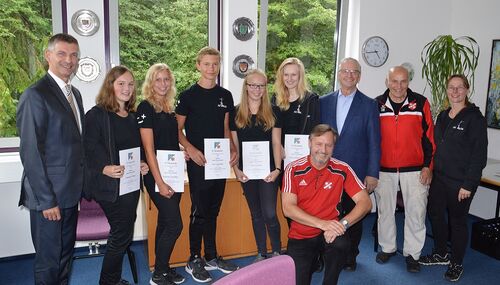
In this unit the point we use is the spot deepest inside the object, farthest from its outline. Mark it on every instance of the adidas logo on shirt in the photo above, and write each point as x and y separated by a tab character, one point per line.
303	183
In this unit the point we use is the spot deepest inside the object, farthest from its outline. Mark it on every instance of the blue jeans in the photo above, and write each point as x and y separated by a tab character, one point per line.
261	198
304	253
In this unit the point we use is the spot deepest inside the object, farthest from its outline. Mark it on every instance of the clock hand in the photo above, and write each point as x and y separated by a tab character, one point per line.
377	54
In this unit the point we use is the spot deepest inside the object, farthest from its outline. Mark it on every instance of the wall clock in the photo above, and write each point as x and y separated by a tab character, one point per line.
375	51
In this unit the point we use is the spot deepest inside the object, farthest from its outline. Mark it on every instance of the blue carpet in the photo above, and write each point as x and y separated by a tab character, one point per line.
478	268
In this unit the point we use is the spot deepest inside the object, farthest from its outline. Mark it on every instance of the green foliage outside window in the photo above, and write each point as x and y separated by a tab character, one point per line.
304	29
25	27
169	31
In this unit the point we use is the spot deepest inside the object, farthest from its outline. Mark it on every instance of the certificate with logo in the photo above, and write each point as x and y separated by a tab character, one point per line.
296	146
255	159
217	156
171	164
131	179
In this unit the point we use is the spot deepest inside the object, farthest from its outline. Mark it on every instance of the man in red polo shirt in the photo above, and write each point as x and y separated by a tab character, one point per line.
312	189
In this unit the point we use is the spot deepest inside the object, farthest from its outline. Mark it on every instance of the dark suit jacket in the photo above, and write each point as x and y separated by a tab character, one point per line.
359	142
51	147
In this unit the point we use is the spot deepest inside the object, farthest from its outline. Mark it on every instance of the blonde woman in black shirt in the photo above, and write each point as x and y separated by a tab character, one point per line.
158	125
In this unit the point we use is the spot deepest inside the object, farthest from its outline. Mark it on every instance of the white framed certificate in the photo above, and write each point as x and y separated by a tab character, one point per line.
217	155
131	179
255	156
296	146
171	164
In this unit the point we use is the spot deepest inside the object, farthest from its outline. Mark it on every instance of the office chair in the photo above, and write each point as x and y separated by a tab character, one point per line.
93	227
279	270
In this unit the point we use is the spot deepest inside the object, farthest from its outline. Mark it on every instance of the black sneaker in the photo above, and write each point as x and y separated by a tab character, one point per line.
175	277
383	257
160	279
221	264
412	265
454	272
196	268
123	282
435	259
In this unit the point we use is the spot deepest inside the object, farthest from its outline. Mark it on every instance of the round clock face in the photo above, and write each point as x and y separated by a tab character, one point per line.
375	51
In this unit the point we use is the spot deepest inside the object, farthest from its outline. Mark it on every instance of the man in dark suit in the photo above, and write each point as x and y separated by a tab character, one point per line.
355	116
49	121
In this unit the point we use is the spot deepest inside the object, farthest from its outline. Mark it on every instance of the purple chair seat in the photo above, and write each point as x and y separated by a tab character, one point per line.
92	223
279	270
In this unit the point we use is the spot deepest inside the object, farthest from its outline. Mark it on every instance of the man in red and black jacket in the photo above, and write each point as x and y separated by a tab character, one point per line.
407	146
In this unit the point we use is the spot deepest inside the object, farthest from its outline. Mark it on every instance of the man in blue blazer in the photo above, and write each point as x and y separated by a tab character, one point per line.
356	118
49	121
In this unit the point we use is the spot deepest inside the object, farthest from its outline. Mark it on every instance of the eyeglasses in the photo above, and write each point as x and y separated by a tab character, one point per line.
256	86
455	89
349	71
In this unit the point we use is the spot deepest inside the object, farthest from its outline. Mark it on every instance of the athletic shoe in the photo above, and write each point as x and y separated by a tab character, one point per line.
274	254
259	257
175	277
196	268
123	282
435	259
454	272
220	264
383	257
160	279
412	265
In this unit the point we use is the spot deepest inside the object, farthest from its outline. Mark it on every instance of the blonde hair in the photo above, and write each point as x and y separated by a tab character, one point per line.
159	103
207	51
282	93
265	116
107	97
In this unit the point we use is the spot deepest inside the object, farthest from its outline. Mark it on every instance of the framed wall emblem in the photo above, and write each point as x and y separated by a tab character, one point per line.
242	64
243	29
85	22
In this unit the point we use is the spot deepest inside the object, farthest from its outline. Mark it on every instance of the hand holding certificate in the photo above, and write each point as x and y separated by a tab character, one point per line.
171	164
217	157
131	159
296	146
256	159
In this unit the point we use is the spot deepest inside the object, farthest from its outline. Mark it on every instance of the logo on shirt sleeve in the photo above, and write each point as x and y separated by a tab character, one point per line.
221	104
141	118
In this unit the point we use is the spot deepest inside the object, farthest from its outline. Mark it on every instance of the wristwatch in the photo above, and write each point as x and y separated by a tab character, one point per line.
345	223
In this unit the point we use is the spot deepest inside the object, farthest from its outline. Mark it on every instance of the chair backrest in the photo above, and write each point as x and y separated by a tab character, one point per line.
92	223
279	270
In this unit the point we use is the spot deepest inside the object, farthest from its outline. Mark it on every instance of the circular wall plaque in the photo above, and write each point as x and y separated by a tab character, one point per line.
242	64
88	69
85	22
243	29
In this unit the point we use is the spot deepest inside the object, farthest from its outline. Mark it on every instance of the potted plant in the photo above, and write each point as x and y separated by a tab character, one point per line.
443	57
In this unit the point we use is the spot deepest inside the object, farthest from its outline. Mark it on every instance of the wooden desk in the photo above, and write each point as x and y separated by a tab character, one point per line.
491	180
234	226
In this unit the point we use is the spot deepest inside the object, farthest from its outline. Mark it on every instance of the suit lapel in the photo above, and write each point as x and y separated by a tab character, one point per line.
333	113
58	93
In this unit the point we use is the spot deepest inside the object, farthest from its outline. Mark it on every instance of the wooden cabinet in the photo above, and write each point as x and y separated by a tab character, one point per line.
234	226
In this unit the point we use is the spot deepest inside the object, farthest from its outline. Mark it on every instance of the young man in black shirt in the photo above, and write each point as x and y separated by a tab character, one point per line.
203	110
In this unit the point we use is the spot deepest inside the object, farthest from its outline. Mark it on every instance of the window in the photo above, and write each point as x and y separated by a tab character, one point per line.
304	29
25	27
170	31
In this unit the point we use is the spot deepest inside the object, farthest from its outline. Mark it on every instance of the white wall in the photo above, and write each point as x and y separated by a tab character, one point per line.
407	25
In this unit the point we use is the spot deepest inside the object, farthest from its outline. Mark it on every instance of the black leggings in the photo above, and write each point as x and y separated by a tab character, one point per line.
261	198
444	200
169	225
121	216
